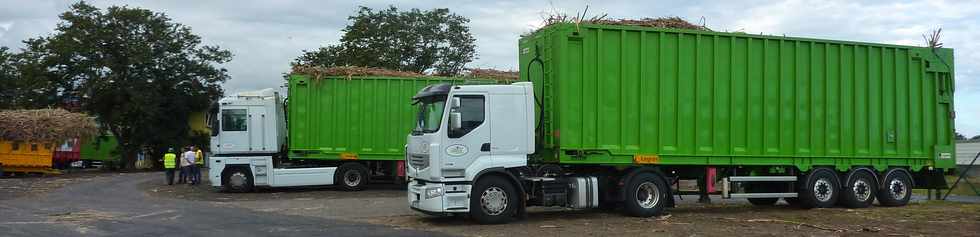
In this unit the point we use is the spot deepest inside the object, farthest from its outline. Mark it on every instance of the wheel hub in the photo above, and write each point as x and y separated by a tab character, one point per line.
237	179
648	195
822	190
897	189
494	201
862	190
352	178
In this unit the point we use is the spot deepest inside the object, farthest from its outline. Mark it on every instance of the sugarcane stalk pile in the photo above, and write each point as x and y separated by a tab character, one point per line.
45	125
488	73
352	71
662	22
672	22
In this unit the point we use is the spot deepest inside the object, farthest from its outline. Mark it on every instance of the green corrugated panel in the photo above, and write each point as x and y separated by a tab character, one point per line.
99	150
710	98
364	116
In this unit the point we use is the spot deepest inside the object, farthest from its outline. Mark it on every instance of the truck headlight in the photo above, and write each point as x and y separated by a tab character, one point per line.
433	192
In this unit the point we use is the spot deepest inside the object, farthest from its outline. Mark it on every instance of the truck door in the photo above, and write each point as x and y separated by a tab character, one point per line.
257	135
234	130
471	141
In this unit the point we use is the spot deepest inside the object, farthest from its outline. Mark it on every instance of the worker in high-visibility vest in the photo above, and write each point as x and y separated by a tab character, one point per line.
198	163
169	165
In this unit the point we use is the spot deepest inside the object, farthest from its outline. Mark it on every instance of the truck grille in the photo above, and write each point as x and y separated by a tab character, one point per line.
418	162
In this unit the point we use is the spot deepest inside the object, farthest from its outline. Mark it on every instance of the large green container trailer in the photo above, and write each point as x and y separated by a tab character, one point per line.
619	113
343	130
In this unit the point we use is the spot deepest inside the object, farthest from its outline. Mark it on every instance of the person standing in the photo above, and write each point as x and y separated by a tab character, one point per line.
169	164
198	164
189	156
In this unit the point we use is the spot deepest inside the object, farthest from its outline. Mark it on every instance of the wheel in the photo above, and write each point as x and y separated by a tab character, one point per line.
351	176
549	170
821	189
646	195
859	191
762	188
237	179
494	201
896	188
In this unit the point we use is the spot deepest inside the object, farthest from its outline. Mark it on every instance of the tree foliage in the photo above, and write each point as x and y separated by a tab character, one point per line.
137	71
435	41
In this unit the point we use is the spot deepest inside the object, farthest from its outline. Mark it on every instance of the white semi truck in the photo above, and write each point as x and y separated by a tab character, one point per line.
249	133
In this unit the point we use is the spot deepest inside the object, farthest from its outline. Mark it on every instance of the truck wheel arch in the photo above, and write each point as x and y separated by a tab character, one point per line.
501	171
881	184
230	168
850	175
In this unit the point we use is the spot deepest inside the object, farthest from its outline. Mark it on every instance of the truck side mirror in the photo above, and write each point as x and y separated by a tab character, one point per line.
456	103
455	121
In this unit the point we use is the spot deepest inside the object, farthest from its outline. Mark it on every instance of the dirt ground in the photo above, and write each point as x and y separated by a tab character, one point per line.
384	205
33	185
918	219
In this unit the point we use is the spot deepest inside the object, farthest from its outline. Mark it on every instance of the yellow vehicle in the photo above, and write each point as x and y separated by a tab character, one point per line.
26	157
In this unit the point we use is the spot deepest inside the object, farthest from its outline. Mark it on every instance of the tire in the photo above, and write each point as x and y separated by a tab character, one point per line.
821	189
352	176
896	188
646	195
238	180
859	191
494	201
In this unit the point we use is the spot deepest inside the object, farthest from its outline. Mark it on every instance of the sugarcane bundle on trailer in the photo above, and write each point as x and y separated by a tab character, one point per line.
28	137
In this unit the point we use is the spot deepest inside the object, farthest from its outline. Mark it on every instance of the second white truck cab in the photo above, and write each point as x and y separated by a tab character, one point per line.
248	136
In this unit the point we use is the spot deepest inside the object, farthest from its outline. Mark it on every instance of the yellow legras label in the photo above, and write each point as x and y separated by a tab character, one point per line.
646	159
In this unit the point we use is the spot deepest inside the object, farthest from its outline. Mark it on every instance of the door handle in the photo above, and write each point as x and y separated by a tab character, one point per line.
485	147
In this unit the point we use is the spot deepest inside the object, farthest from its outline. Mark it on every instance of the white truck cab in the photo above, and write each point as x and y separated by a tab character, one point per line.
465	132
247	137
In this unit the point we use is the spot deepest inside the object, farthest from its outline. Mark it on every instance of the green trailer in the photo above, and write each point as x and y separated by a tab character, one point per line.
620	114
614	93
332	130
351	118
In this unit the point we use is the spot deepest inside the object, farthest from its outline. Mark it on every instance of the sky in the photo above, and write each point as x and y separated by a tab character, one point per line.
265	36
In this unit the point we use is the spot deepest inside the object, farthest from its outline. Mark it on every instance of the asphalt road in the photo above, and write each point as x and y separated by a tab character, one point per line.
116	206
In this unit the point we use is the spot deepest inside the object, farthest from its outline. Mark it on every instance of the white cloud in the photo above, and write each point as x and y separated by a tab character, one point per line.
266	35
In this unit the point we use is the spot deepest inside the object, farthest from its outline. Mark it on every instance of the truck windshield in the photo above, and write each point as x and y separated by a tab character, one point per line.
430	114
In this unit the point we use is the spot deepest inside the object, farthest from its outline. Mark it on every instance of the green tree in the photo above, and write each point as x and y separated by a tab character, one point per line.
137	71
435	41
960	137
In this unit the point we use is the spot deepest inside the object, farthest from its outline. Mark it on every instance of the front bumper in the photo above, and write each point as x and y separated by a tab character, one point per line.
454	199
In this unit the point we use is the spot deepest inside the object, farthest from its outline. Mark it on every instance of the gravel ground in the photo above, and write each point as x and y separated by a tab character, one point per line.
384	205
